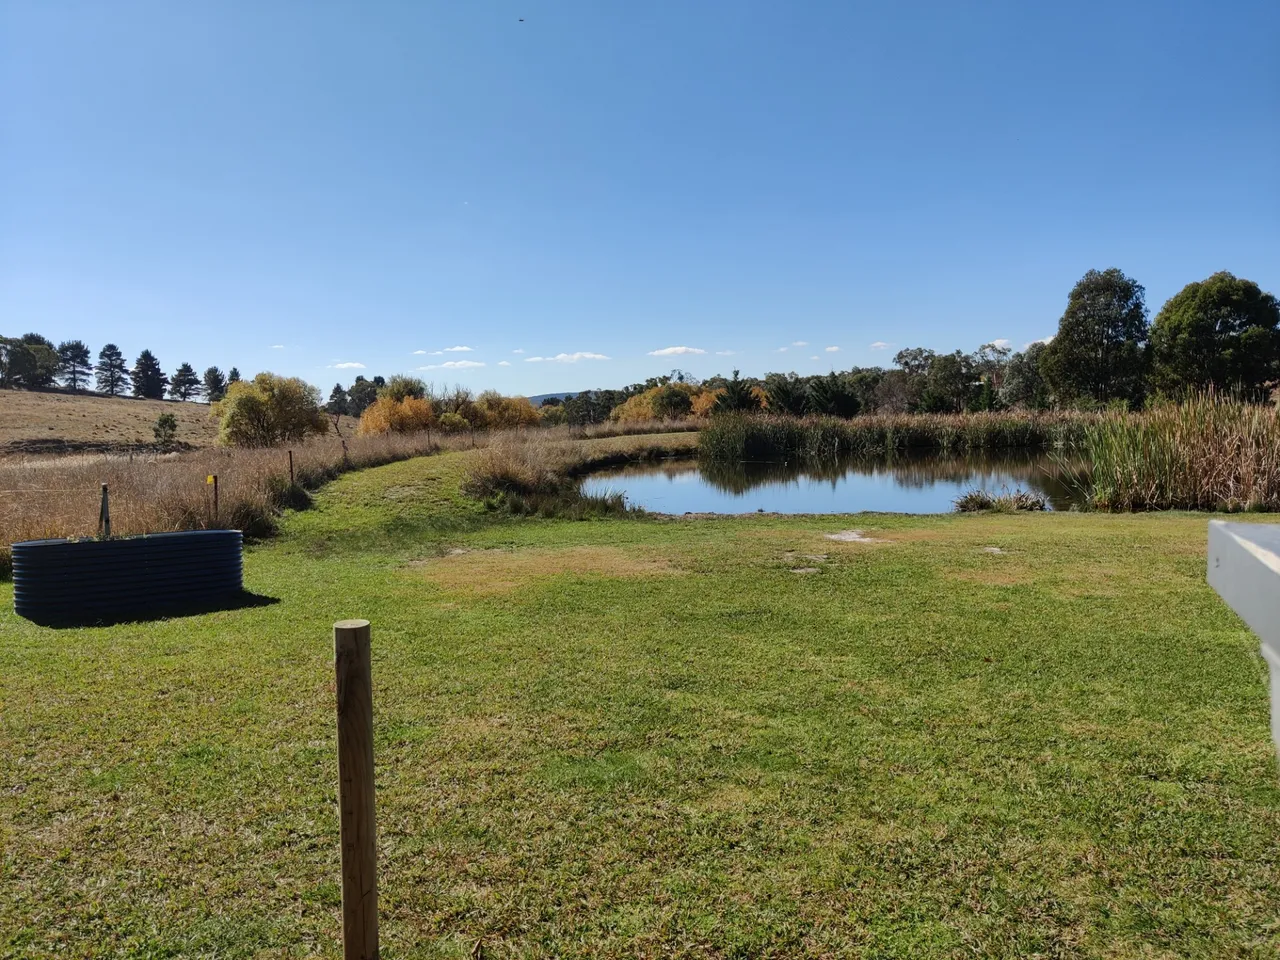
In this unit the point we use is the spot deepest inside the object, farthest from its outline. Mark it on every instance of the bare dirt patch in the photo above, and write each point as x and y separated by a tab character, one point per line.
854	536
486	572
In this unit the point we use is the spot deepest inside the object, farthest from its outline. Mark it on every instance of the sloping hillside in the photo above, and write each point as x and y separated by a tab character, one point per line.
37	422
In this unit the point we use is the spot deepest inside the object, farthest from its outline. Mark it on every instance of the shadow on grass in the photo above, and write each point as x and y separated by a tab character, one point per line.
159	611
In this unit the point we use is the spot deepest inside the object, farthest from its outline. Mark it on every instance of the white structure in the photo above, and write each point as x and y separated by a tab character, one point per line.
1244	567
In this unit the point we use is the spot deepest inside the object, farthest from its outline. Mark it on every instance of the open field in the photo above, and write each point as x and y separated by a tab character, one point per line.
39	421
650	737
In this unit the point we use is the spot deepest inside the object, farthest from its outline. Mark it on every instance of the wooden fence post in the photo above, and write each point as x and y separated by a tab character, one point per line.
291	468
104	516
355	790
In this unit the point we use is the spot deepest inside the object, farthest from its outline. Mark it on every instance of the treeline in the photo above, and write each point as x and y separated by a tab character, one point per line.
406	404
1220	333
32	362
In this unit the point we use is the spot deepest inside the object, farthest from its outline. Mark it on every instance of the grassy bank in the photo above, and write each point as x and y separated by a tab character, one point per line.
737	437
538	473
653	738
59	497
1209	453
49	497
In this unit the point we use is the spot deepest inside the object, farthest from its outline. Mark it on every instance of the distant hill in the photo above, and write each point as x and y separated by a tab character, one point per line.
35	421
537	401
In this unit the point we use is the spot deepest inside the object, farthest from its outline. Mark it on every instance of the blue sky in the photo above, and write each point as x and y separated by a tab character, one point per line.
295	186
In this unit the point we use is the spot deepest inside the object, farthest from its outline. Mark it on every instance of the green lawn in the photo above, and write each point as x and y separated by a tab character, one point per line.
649	737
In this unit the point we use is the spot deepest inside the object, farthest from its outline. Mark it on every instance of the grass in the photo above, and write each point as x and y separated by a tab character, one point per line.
643	737
738	437
55	497
973	501
34	421
1207	453
535	473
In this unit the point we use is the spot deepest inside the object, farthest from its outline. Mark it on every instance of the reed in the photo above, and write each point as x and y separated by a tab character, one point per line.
1208	453
975	501
738	437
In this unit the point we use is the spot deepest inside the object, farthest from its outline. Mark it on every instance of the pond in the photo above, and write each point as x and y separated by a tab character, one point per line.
915	483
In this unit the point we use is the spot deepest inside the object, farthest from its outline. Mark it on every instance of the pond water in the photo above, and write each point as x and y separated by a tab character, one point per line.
919	483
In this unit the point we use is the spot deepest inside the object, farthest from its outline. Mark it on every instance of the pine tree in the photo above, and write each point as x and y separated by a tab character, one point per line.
362	393
25	364
112	372
215	385
233	376
43	362
832	396
148	379
185	384
737	395
337	400
74	365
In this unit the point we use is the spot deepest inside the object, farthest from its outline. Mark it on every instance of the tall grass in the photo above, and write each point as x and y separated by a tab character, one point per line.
55	497
59	497
737	437
627	429
1208	453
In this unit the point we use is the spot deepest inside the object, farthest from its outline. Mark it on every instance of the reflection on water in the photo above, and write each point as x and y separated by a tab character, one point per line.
915	483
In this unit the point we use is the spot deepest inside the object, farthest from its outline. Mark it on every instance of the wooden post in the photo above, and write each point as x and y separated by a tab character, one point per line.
215	499
291	468
104	516
355	790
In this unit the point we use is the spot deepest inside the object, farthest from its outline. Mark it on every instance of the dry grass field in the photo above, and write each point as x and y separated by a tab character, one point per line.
37	422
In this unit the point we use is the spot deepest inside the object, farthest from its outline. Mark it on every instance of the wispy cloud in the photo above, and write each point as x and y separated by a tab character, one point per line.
567	358
815	357
799	343
781	350
457	349
521	350
346	365
725	353
1002	342
1047	339
453	365
674	351
881	345
504	363
419	353
833	349
277	346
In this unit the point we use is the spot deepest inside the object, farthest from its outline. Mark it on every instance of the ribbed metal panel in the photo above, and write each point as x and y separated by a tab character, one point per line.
64	582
